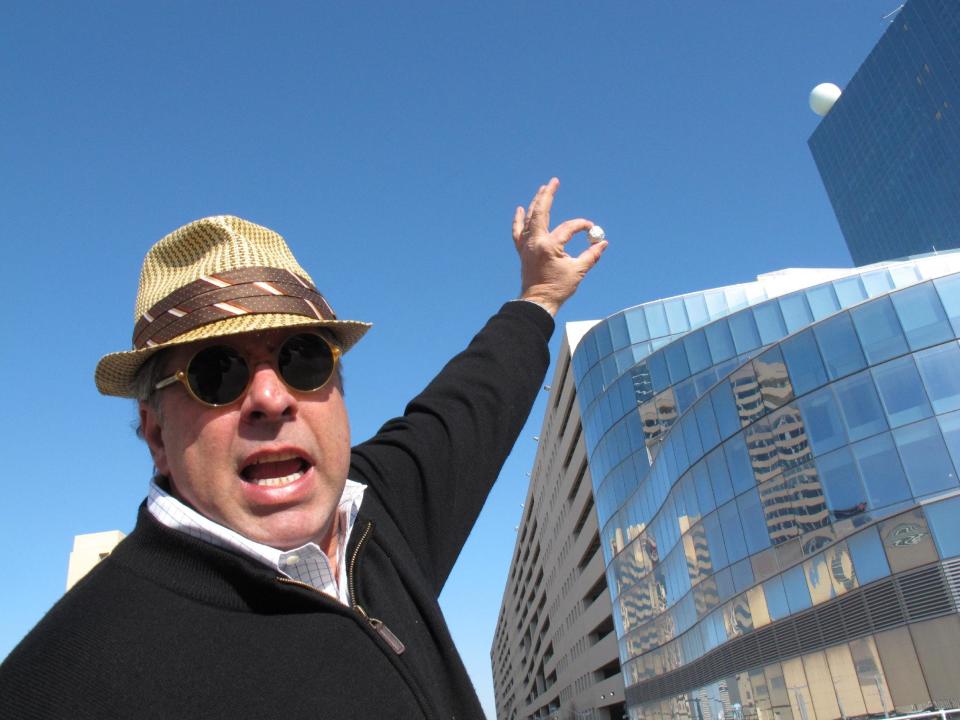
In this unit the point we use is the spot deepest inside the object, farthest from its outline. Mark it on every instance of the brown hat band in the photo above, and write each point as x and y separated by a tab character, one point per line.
246	291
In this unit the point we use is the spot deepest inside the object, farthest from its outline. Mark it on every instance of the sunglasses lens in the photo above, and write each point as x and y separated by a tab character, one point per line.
218	375
306	362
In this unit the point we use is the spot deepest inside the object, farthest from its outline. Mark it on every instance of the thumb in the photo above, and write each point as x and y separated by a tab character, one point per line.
589	257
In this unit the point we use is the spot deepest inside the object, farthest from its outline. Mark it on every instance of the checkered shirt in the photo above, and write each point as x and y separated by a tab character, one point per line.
307	563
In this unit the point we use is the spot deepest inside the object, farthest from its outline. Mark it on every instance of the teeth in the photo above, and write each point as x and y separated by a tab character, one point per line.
279	457
275	482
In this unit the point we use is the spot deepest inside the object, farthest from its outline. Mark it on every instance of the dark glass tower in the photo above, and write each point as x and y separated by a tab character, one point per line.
889	150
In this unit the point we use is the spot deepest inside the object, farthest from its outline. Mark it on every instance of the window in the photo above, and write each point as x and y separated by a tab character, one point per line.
795	583
943	517
775	388
940	370
744	331
881	471
803	362
924	321
698	352
869	560
879	330
925	458
901	391
796	311
720	341
823	301
948	288
846	496
769	322
839	346
822	420
860	406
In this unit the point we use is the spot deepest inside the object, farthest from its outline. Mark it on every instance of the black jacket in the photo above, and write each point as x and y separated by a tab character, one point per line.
172	627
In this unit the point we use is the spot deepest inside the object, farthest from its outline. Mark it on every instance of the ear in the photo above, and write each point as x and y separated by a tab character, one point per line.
153	434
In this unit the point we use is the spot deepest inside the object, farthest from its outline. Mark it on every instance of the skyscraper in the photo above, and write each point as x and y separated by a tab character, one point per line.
775	470
889	149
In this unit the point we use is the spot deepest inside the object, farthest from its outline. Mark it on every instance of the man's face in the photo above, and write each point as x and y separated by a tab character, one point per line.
271	466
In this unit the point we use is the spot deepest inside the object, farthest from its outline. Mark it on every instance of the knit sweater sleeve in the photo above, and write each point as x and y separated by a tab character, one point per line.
434	466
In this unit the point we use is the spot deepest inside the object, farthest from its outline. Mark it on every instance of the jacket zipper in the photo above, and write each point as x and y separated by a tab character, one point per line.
378	626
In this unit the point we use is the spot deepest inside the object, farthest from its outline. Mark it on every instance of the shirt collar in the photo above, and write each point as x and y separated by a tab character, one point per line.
307	563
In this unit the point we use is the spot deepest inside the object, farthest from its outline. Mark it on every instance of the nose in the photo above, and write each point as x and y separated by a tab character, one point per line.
268	399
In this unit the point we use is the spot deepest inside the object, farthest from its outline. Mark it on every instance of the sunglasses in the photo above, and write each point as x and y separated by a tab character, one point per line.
219	374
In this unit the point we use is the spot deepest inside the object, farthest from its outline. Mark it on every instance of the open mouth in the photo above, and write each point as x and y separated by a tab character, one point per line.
275	470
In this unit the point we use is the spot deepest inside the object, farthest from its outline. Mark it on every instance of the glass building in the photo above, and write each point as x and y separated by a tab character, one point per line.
889	150
775	471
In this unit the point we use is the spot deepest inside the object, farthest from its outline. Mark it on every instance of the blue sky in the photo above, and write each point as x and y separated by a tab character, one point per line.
389	143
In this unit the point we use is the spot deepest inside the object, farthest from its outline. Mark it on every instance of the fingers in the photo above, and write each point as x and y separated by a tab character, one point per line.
566	230
518	218
539	212
589	257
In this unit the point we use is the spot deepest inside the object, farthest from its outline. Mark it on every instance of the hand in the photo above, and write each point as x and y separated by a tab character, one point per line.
548	275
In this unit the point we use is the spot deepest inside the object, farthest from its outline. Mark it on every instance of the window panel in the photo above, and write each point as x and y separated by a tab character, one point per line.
924	321
677	363
796	311
728	421
823	301
754	527
879	330
714	535
707	423
698	352
839	346
746	394
738	462
790	436
850	290
762	449
901	391
637	325
925	458
618	331
657	366
732	532
825	430
686	394
701	481
877	282
816	570
604	344
948	288
769	322
881	471
846	496
950	427
776	598
720	341
656	320
860	406
719	476
744	330
869	559
804	362
771	371
943	519
940	370
696	310
798	594
742	574
676	316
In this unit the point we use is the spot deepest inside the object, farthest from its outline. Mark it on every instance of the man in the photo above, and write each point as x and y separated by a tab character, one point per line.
273	572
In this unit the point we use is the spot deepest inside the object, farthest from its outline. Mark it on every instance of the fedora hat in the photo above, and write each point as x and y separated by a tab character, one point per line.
214	277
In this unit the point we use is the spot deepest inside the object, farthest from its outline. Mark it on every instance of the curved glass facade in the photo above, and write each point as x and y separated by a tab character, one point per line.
758	462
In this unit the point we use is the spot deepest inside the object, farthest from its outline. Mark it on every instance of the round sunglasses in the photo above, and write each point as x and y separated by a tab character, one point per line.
219	375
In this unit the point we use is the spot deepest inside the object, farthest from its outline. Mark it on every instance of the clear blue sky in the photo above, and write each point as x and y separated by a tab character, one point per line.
389	143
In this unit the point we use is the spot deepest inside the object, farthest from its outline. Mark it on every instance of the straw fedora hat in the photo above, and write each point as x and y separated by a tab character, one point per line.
214	277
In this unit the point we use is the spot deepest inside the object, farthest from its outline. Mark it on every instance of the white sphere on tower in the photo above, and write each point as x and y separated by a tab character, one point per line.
822	98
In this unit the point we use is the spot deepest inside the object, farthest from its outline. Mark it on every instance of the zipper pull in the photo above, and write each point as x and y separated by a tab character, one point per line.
383	631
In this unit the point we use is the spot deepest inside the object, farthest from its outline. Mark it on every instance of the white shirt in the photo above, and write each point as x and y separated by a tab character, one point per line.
307	563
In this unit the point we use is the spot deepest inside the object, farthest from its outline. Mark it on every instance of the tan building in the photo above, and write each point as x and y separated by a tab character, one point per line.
88	550
555	652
